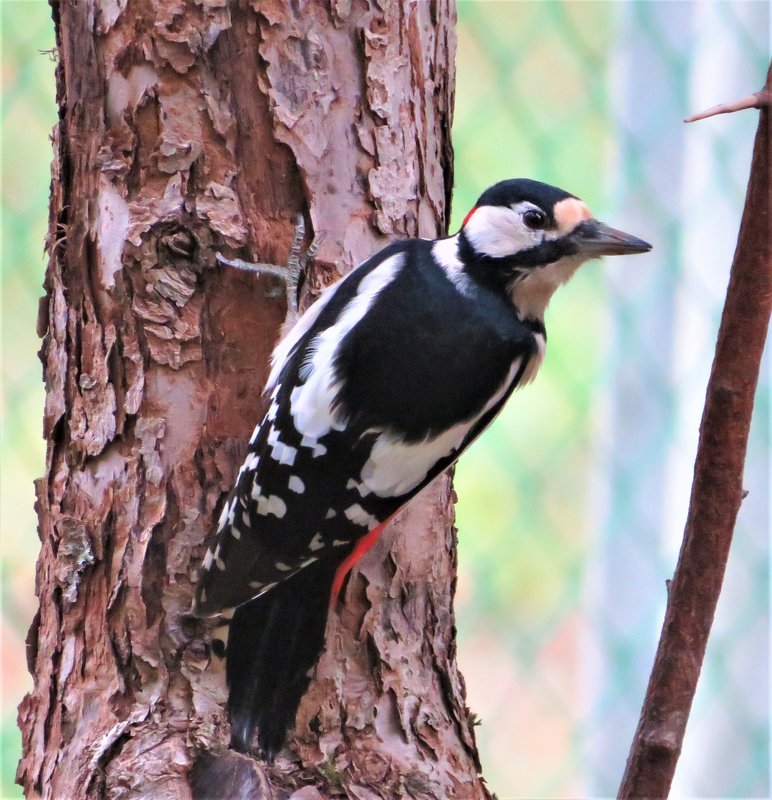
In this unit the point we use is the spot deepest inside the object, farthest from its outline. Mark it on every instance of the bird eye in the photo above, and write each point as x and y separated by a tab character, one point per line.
535	220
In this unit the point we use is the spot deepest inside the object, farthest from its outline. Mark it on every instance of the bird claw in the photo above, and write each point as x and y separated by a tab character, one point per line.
297	264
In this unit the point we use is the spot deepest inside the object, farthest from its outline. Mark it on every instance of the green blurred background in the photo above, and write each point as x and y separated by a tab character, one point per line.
572	506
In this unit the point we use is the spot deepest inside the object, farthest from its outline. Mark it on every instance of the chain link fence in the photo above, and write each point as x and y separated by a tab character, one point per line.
572	506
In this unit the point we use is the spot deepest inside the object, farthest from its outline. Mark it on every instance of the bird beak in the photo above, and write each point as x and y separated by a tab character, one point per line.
593	239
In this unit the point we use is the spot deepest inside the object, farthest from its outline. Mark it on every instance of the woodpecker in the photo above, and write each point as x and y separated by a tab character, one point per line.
380	386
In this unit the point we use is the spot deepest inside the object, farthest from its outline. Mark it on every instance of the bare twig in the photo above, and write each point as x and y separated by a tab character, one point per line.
716	493
756	100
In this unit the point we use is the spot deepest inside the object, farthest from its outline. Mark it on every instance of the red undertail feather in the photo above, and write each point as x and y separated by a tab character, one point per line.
361	547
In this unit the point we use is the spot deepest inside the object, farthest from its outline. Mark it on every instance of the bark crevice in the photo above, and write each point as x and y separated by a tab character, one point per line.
186	129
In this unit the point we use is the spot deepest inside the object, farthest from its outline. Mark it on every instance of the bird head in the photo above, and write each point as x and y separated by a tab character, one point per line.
527	238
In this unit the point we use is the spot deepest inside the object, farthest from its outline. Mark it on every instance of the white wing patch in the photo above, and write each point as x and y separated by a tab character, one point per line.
222	522
296	484
273	504
283	349
313	444
249	464
317	543
311	403
396	467
283	453
360	517
311	408
353	484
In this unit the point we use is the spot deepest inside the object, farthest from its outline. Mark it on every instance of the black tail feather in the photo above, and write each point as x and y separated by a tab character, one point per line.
274	642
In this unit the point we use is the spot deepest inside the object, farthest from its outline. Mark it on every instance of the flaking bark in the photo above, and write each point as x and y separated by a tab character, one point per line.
188	128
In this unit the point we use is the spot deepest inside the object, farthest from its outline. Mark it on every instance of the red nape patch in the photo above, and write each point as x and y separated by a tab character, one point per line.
360	548
469	215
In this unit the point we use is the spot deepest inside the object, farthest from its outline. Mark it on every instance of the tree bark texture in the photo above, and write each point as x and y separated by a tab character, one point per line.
186	128
717	492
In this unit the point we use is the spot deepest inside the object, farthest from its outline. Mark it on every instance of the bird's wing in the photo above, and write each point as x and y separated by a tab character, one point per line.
290	505
362	416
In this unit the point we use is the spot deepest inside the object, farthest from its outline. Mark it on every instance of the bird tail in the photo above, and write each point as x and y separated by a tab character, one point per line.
274	642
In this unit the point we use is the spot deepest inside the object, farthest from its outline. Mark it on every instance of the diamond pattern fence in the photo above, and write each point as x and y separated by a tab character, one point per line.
572	506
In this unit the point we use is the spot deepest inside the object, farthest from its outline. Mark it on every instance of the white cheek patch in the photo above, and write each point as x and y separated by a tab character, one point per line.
499	231
311	403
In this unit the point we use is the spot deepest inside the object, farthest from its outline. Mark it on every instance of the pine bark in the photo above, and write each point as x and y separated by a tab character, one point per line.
186	129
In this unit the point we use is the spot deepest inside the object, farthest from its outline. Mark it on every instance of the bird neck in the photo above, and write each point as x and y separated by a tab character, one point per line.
530	292
527	279
493	273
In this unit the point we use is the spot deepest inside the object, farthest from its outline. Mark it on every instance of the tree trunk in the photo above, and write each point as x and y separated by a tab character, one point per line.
188	128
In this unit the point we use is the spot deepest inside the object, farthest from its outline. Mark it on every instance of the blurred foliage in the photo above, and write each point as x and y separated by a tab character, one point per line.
572	504
28	114
532	102
545	493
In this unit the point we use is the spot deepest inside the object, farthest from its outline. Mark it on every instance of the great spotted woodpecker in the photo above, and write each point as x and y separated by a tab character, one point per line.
379	387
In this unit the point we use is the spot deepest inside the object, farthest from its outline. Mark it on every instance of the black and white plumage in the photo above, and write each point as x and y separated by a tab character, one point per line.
378	388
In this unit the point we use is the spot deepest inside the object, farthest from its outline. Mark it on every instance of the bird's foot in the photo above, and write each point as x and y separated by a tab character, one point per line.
297	264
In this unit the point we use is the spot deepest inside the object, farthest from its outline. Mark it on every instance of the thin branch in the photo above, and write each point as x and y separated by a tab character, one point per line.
717	492
756	100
